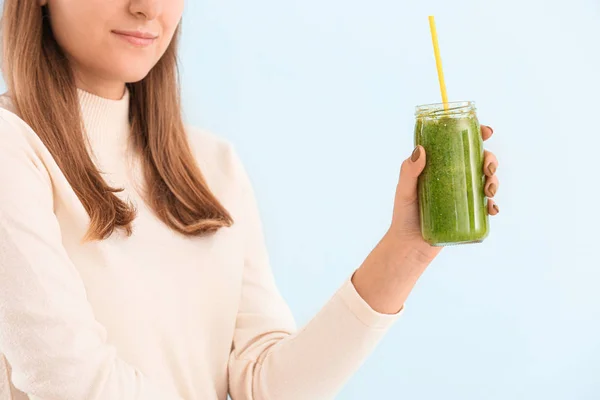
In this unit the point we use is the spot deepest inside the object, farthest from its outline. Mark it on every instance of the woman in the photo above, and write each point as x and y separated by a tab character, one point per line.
131	254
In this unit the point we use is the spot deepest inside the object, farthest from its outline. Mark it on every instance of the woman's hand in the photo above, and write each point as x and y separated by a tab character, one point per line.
389	273
405	227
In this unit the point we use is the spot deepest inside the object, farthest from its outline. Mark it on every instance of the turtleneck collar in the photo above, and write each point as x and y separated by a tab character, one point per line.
106	122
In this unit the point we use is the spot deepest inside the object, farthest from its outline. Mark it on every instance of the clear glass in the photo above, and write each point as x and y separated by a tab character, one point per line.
452	203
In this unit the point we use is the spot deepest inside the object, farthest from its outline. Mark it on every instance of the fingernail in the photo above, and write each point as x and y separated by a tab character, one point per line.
415	154
496	208
492	168
492	189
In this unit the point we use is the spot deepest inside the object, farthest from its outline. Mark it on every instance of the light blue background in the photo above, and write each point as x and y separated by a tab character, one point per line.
318	97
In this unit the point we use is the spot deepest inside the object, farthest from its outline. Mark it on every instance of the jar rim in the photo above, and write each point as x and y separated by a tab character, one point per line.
454	107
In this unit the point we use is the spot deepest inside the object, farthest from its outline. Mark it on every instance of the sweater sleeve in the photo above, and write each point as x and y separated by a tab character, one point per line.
48	333
270	360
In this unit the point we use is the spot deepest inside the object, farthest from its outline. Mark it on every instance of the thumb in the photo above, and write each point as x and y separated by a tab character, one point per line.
409	175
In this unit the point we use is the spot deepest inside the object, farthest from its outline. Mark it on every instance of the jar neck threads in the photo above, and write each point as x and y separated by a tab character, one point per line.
456	109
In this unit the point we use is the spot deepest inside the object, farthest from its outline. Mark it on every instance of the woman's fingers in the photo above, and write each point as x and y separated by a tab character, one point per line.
492	207
490	163
491	186
486	132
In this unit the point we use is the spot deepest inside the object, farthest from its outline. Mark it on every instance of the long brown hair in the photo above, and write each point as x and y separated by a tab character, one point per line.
42	89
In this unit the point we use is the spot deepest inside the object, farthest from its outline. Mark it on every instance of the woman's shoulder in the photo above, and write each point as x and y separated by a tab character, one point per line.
208	142
6	102
19	143
21	152
13	130
216	156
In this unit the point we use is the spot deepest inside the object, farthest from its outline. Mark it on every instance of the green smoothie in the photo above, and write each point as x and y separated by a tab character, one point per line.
452	203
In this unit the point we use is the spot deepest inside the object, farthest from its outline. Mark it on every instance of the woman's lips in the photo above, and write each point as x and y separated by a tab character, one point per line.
140	39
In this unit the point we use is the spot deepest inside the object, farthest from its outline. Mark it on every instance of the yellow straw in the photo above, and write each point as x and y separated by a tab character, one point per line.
438	61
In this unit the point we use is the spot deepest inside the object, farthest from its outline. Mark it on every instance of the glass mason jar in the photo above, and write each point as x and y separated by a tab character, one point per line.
452	203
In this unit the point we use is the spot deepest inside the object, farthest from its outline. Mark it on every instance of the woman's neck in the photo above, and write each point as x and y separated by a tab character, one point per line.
106	121
109	89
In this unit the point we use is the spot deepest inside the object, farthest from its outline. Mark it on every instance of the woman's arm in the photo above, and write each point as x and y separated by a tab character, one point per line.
270	360
48	333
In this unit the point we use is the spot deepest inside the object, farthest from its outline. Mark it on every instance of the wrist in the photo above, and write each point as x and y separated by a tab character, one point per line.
403	251
388	274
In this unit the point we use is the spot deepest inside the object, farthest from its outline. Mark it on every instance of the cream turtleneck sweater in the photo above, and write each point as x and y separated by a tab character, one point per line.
154	316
